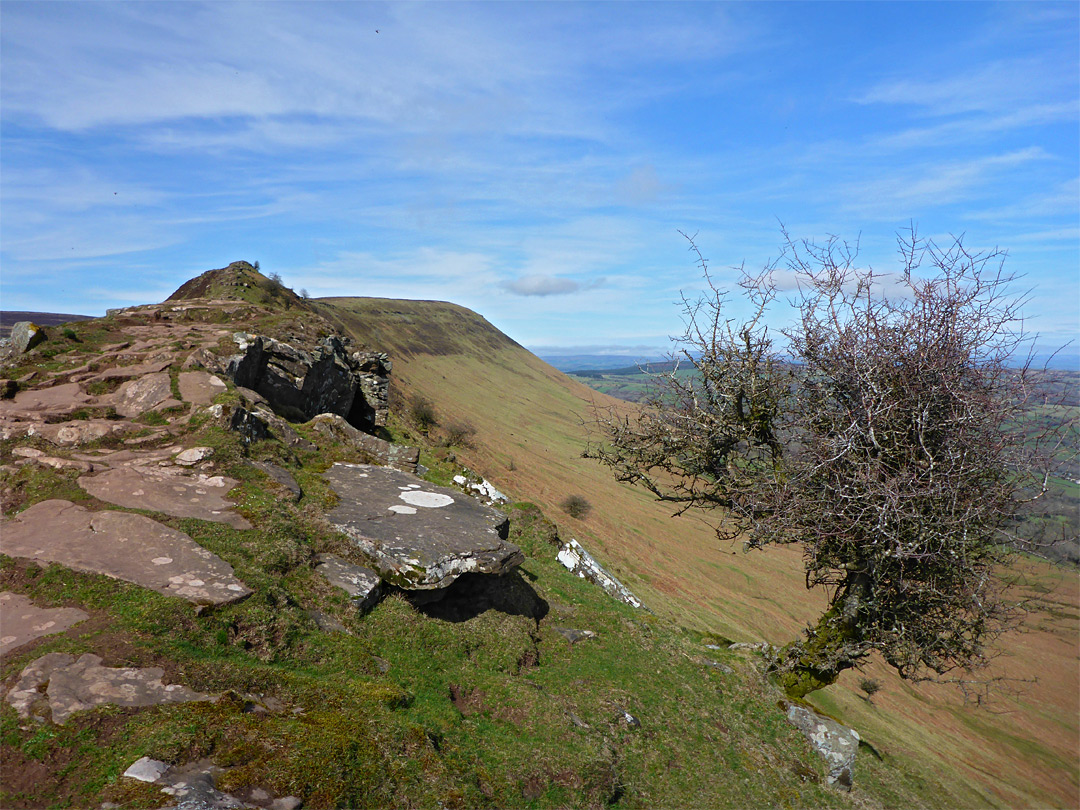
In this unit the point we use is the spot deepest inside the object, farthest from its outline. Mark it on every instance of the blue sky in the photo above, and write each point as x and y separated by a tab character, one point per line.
533	161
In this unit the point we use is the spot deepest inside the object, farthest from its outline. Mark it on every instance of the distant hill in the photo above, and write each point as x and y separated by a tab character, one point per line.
596	362
8	318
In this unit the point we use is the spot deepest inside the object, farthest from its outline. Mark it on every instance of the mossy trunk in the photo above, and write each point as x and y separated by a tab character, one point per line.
832	645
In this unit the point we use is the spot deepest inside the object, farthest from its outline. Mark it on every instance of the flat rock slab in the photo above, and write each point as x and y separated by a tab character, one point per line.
76	685
40	402
21	621
173	494
129	458
200	387
137	396
74	433
420	536
136	370
124	546
363	585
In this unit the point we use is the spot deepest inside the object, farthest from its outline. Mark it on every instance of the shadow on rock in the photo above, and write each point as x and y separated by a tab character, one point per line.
473	594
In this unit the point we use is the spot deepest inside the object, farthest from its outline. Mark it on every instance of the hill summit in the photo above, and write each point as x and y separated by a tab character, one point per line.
240	281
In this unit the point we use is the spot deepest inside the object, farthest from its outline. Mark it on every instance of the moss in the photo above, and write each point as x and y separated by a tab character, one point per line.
806	666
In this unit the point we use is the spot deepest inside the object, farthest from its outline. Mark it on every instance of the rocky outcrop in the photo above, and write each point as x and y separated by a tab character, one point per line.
837	743
481	488
578	561
419	536
326	379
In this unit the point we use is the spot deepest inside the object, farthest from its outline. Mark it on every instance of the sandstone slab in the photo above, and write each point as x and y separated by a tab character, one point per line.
420	536
59	463
124	546
76	685
160	490
135	370
21	621
200	387
147	393
39	403
77	432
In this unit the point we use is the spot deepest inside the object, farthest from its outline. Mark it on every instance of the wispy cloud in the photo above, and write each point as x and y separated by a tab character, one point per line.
916	188
996	86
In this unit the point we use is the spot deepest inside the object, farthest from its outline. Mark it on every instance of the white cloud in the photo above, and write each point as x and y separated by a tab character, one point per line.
541	285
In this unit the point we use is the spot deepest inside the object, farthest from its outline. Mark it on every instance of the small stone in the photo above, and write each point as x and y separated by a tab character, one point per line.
146	770
572	635
577	721
363	585
326	623
193	455
285	803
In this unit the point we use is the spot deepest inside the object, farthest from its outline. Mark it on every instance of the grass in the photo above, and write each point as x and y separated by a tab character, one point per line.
469	714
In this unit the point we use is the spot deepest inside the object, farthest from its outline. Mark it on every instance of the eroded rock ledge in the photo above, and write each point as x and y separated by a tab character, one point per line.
419	536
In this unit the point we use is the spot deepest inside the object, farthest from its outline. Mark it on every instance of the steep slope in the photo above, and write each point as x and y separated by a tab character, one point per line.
531	425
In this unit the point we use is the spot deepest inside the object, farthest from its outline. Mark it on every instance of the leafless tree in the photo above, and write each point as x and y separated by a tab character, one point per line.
889	442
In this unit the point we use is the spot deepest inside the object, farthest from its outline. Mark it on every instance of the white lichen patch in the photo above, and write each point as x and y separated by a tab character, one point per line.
429	500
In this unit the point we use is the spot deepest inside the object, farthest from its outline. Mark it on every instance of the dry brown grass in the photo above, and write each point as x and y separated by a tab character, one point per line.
531	427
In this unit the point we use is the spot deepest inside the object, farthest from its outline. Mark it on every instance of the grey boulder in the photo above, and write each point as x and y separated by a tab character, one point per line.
837	743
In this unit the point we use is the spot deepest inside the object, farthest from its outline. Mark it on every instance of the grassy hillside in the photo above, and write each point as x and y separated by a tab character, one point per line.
531	424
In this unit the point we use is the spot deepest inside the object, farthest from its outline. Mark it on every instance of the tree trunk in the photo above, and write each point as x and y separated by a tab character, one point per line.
832	645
